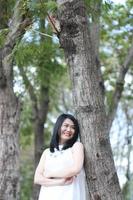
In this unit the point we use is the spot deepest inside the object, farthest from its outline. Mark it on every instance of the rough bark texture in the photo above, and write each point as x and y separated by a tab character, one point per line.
9	154
9	121
10	110
75	39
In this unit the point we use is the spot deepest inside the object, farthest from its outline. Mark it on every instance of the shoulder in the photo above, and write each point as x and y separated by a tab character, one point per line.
45	152
78	150
77	145
43	157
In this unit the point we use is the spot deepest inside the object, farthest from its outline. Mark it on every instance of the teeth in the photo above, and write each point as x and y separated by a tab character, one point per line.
67	134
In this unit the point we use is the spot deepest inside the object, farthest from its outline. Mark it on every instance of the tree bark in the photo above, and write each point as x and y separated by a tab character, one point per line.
10	110
88	99
9	154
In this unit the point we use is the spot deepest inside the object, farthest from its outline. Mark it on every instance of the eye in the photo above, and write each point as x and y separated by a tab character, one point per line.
73	127
65	125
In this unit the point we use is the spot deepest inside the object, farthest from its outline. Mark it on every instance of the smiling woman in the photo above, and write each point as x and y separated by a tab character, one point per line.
67	131
60	170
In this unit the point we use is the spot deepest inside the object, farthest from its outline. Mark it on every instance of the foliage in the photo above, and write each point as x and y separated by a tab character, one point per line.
116	39
26	129
26	179
40	57
127	189
5	17
41	8
42	60
6	8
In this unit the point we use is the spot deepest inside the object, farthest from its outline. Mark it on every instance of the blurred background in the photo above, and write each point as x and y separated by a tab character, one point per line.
41	81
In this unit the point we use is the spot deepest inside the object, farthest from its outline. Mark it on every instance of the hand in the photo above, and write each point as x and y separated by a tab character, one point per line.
69	180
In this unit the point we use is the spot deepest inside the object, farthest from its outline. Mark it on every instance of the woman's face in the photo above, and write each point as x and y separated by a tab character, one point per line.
67	131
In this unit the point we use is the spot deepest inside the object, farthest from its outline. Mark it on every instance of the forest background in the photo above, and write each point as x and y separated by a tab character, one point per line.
41	82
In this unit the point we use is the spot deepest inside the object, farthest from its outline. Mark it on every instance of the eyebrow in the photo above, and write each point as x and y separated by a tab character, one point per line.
65	123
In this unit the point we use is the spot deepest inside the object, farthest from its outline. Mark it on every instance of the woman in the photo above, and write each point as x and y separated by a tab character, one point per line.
60	170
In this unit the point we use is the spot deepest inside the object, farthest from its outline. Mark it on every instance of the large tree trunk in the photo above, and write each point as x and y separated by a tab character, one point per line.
75	39
9	125
10	109
9	154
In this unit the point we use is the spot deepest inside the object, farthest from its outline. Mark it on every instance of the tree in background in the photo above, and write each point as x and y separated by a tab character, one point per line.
37	56
122	146
42	73
116	38
11	32
108	56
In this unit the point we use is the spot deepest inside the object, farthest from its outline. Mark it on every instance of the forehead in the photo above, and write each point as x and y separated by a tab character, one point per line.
68	121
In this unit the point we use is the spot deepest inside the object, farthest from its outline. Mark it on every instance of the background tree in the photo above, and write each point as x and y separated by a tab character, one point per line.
42	73
37	56
121	134
116	38
9	103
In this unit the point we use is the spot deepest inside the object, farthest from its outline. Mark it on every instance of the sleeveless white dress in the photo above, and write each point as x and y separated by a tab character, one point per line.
75	190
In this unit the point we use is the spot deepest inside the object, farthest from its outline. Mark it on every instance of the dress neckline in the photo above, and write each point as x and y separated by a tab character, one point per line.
60	147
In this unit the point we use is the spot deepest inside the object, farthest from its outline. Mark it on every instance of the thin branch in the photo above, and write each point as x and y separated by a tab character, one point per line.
119	87
42	33
95	38
128	142
54	23
95	25
43	103
29	88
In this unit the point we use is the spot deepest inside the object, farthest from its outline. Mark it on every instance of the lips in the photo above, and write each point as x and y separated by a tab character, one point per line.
67	134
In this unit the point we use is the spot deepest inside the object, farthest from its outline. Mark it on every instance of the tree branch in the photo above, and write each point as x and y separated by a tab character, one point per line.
17	27
95	8
95	25
29	88
19	22
44	103
119	87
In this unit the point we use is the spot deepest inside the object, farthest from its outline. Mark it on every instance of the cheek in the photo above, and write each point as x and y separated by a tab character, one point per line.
73	132
62	129
59	132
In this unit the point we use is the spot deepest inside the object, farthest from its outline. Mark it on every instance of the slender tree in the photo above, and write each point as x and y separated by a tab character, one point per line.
10	105
79	37
42	57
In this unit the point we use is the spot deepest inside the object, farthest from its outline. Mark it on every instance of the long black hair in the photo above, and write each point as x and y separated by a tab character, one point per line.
56	132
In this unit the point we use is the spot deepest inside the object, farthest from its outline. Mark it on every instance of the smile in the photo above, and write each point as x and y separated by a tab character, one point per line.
67	134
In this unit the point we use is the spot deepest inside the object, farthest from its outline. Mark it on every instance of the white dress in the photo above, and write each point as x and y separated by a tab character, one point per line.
75	190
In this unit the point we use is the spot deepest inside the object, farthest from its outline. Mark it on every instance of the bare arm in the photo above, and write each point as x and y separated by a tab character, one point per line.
78	157
51	182
40	179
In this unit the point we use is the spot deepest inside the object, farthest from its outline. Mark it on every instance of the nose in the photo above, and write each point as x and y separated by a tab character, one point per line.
68	128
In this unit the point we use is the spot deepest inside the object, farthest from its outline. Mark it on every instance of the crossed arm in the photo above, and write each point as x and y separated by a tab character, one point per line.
78	158
60	177
40	179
